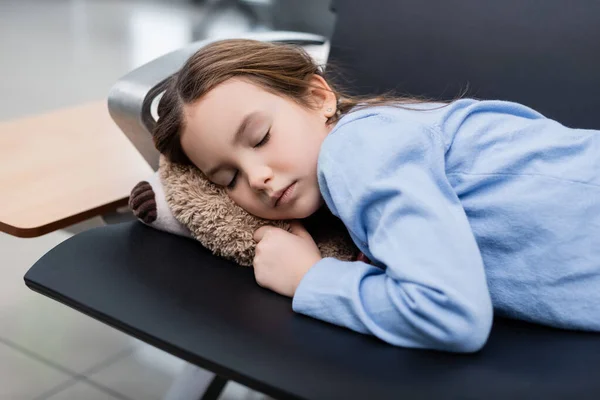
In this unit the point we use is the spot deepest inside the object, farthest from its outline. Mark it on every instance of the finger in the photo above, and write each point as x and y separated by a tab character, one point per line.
258	273
298	229
260	233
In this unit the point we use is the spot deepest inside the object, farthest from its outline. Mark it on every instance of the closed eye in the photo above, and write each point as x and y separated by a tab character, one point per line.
264	140
232	183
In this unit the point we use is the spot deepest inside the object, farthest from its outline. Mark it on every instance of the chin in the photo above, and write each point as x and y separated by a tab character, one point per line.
307	209
303	208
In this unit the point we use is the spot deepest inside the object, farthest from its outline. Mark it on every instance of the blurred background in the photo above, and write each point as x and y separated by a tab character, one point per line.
60	53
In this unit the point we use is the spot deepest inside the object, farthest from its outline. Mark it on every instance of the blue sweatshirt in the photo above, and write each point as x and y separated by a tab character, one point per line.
464	209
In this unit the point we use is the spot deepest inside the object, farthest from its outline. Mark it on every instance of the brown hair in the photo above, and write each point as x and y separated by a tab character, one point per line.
281	69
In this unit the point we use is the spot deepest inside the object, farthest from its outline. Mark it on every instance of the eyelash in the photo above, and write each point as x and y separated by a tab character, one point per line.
259	144
264	140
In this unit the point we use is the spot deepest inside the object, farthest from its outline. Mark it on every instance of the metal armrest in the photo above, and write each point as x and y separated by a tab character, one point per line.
131	99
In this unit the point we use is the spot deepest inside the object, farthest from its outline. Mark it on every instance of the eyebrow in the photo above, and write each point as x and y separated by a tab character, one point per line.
236	138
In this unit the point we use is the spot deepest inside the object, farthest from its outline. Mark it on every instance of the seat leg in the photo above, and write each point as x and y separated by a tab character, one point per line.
215	388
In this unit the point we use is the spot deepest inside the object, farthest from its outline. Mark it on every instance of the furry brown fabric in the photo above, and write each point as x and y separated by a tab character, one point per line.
226	229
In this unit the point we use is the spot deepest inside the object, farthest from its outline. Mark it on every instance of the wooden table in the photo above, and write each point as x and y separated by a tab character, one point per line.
63	167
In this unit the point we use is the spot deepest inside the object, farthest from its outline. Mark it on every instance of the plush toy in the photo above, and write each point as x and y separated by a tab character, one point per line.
181	200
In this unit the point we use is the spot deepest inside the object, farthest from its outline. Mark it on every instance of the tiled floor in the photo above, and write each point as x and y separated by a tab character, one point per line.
56	53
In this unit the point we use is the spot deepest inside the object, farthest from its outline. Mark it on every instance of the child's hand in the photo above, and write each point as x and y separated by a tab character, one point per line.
283	258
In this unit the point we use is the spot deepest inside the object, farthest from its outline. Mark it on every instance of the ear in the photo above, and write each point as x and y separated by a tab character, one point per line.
323	97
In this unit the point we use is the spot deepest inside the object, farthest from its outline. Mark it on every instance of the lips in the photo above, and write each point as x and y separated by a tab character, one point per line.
283	195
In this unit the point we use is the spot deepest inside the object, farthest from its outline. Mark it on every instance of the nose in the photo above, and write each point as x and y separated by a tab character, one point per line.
260	178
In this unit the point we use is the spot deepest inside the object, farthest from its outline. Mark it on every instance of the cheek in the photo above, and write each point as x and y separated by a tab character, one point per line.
244	197
239	195
299	146
249	202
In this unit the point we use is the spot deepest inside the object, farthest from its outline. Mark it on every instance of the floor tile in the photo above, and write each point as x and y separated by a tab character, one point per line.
17	255
42	325
150	373
22	377
146	374
81	390
58	333
235	391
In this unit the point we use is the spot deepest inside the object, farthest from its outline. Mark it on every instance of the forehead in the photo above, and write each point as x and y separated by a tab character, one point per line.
211	122
228	99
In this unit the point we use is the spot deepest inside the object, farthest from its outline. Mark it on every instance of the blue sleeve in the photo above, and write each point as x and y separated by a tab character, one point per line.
386	180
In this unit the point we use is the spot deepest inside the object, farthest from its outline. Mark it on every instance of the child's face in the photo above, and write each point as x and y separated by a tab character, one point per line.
277	147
